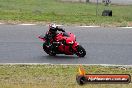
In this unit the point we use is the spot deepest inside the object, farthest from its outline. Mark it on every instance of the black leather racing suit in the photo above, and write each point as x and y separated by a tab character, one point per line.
51	35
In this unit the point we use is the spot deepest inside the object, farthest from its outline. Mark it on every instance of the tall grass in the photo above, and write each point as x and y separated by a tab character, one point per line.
54	76
61	12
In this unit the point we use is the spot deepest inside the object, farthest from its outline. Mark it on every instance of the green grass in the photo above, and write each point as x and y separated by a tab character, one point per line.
54	76
60	12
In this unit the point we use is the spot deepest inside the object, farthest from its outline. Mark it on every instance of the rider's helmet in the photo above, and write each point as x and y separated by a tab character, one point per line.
52	28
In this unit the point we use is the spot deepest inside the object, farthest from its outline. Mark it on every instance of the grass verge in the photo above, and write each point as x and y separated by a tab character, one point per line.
64	13
55	76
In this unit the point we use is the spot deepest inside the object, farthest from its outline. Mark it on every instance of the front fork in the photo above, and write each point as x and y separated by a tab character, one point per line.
74	46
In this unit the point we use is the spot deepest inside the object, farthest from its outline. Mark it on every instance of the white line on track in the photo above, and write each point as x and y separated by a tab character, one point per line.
98	65
27	24
89	26
1	23
125	27
24	63
64	64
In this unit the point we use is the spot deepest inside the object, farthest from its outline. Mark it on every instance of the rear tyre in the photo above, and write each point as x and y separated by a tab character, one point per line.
45	48
80	51
52	53
48	50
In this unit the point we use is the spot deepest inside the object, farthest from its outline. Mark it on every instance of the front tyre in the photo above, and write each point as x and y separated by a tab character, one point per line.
80	51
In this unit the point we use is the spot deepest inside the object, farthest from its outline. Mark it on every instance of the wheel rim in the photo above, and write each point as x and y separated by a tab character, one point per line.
80	52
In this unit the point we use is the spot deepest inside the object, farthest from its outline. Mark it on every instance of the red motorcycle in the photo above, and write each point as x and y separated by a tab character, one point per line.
65	44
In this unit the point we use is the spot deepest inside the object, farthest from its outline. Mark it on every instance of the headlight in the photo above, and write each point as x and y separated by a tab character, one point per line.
71	42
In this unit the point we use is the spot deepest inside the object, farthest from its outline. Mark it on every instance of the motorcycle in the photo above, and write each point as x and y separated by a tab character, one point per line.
65	44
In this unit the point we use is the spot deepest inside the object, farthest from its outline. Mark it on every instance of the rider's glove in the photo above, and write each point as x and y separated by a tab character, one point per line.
63	30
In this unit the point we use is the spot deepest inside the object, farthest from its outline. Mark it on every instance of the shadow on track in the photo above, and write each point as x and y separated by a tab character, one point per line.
60	57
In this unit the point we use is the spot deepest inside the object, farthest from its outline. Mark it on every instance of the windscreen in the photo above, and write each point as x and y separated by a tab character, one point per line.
66	34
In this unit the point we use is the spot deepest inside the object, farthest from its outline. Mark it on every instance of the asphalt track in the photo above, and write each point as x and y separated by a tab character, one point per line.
19	44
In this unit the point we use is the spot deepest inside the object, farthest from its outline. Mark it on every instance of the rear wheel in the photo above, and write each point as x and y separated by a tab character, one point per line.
45	48
48	50
51	53
80	51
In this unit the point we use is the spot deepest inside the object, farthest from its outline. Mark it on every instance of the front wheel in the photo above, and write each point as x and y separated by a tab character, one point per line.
80	51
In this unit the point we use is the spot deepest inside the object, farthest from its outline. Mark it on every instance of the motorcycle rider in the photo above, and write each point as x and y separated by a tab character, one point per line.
51	35
52	32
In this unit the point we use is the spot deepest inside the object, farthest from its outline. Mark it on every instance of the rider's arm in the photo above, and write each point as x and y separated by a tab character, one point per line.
60	29
47	36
